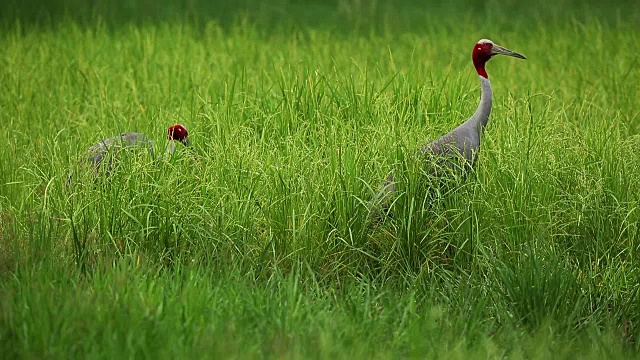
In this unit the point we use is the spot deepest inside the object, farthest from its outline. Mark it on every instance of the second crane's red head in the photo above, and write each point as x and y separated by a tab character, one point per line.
484	50
179	133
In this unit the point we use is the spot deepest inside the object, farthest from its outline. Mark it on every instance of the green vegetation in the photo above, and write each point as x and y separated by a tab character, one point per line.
255	242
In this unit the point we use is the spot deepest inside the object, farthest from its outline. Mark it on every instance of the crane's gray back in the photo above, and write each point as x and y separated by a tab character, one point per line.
112	145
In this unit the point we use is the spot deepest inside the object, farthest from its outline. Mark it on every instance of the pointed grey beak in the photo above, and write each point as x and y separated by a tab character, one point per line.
186	141
499	50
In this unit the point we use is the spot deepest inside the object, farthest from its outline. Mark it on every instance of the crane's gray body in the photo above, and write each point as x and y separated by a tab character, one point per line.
101	155
461	145
110	146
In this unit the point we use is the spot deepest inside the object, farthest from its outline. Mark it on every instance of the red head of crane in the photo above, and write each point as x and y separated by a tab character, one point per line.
179	133
484	50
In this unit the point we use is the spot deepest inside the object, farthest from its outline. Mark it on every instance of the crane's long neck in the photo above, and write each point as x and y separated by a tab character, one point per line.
481	116
171	147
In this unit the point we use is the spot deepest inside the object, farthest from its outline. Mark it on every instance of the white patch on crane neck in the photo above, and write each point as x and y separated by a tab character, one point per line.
484	82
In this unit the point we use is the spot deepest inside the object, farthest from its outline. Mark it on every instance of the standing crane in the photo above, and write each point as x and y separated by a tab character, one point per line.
462	144
109	148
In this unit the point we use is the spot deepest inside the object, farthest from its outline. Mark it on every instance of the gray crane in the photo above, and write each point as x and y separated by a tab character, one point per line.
110	147
459	148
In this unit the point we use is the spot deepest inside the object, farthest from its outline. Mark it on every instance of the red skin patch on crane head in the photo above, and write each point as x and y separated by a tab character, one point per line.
178	132
480	55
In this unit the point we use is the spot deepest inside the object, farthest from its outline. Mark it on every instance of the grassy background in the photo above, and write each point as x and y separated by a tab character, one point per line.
255	241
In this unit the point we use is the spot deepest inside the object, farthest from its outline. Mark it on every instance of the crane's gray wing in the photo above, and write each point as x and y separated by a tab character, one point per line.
101	155
456	150
445	158
110	147
136	139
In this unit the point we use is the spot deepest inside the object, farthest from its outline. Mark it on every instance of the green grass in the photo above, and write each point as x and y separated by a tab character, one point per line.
255	242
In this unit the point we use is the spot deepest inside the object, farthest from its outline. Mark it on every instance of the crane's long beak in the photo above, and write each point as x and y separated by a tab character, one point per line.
499	50
186	141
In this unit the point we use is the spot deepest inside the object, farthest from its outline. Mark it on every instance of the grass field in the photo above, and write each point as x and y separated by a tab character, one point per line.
255	241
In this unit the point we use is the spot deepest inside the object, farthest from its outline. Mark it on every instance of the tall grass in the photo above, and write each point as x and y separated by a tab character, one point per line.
257	241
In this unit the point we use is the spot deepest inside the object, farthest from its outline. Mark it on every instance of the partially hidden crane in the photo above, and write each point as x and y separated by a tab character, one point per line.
462	144
102	154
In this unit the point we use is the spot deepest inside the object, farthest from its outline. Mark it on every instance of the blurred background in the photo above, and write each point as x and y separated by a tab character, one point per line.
350	15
